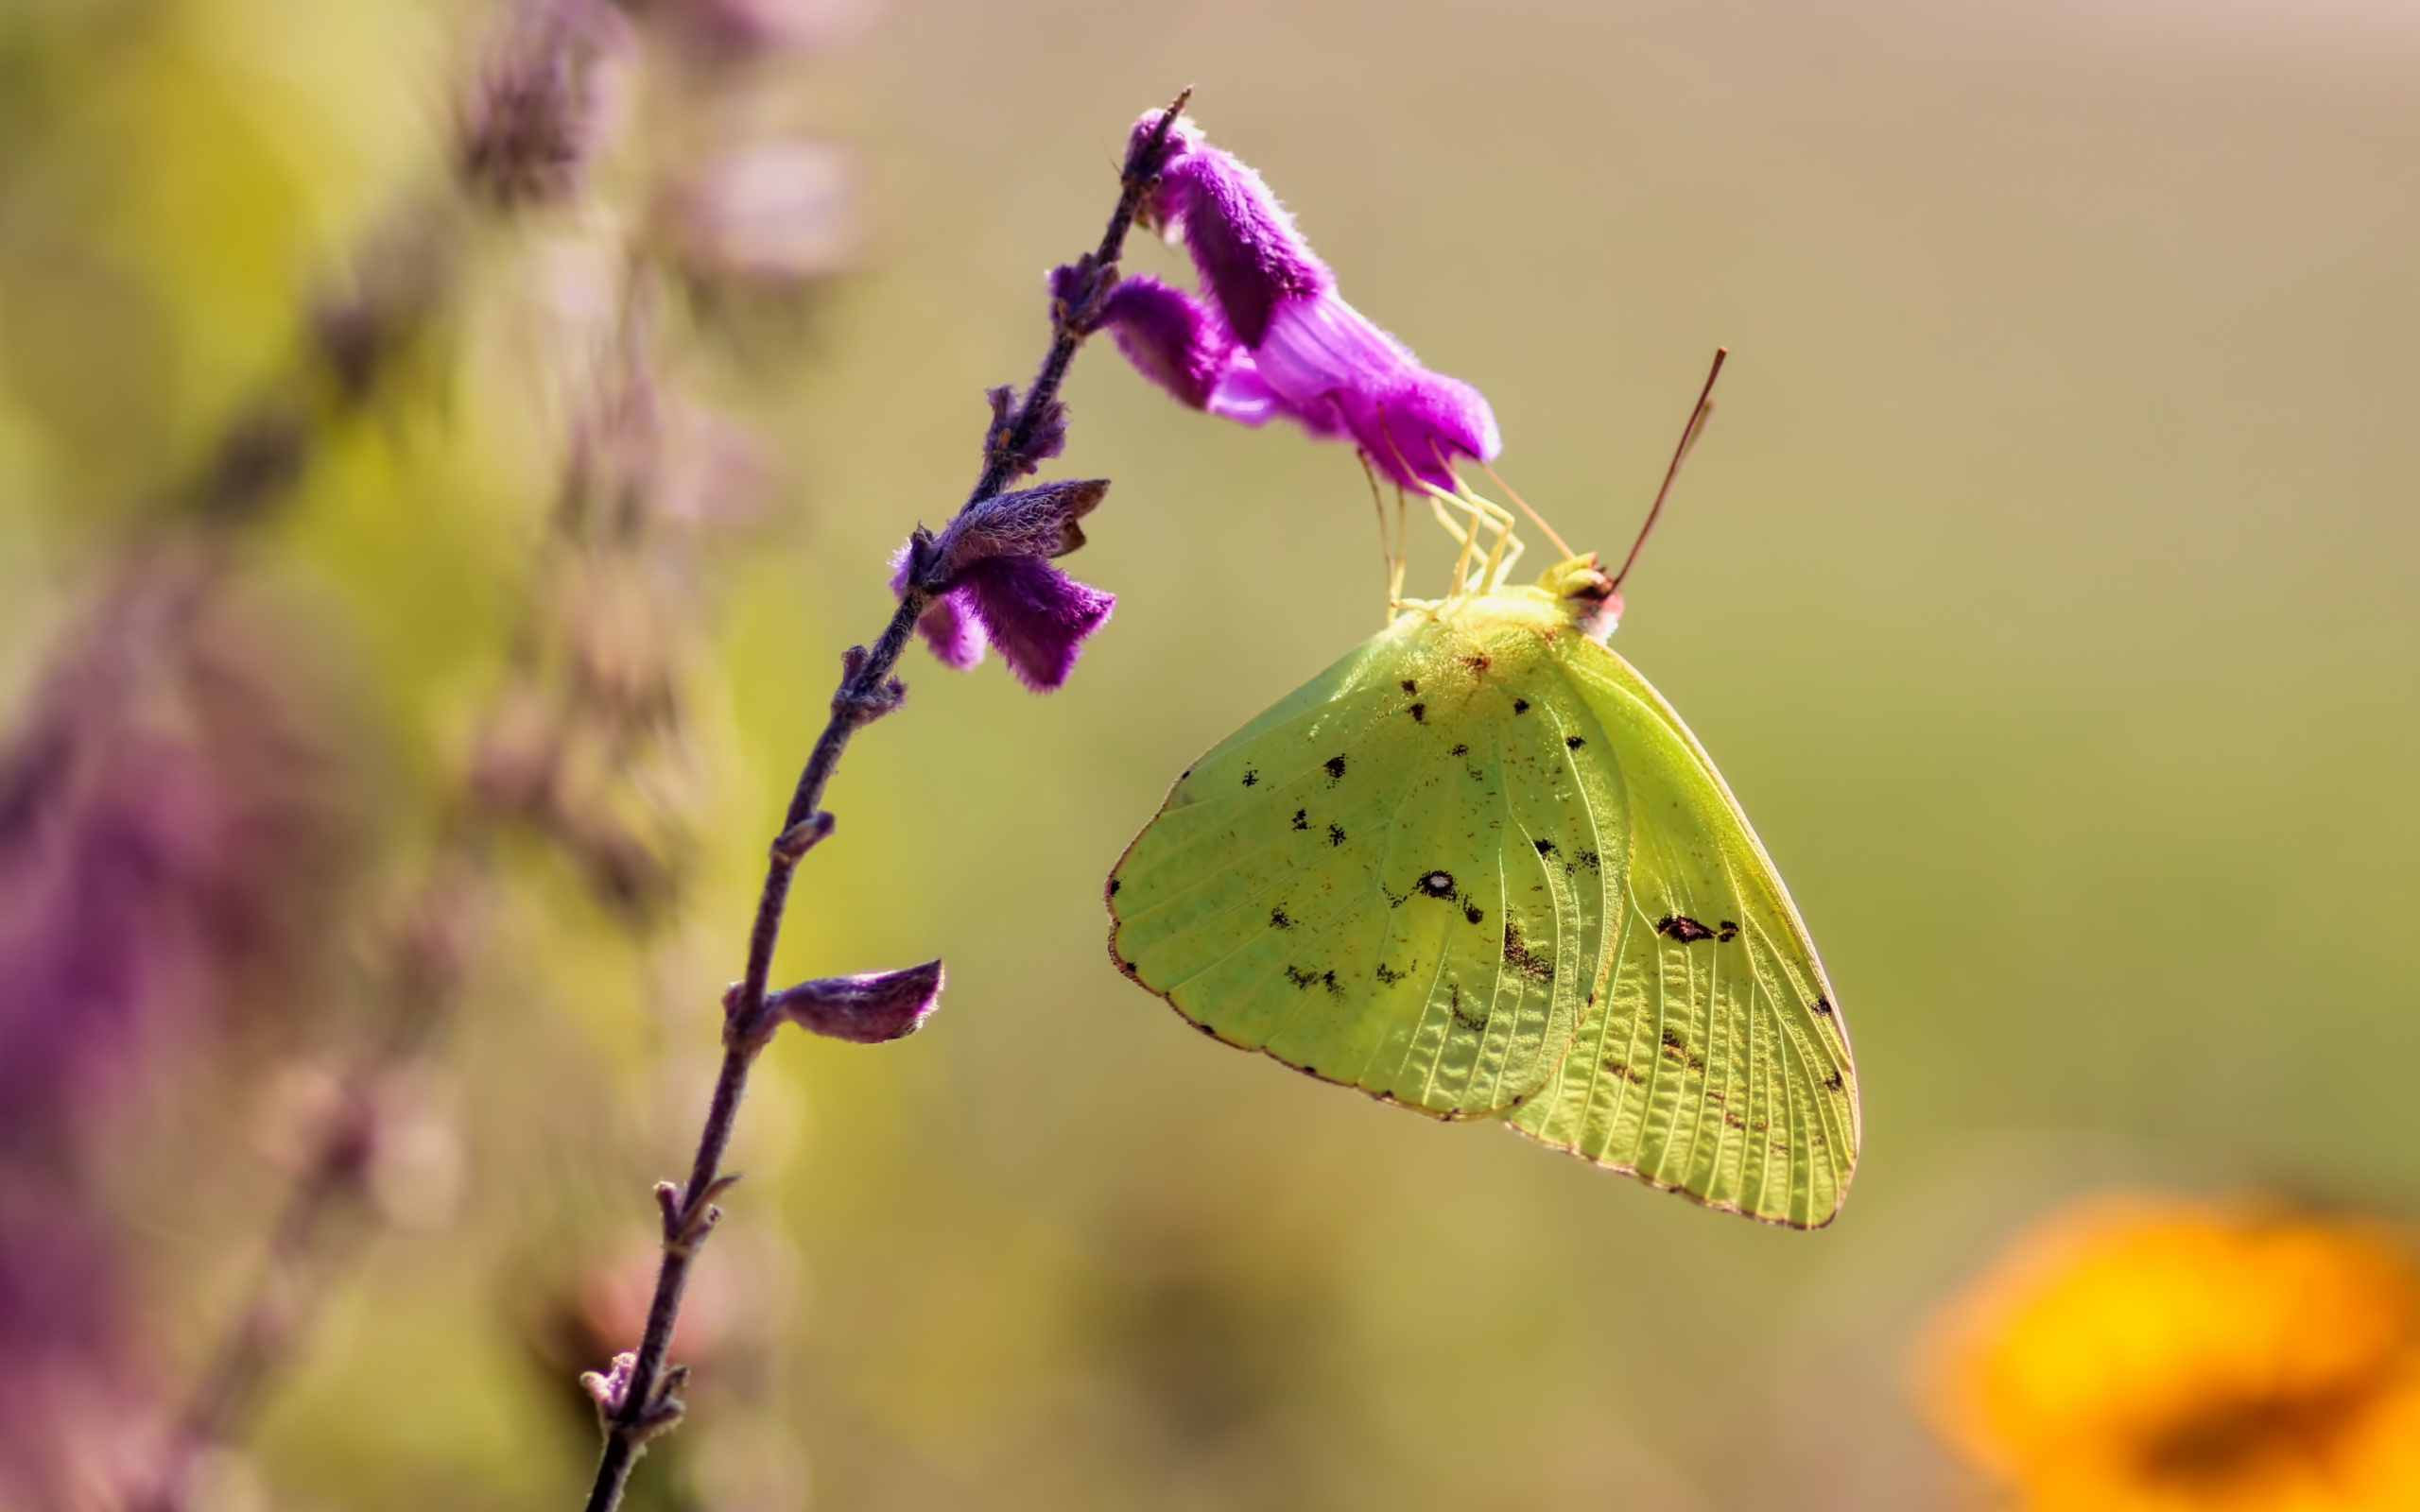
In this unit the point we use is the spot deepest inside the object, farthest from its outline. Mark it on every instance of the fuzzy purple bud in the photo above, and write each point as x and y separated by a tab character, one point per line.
1272	336
1048	440
611	1386
866	1010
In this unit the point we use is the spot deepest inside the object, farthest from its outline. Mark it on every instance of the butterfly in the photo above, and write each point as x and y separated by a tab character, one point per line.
1480	868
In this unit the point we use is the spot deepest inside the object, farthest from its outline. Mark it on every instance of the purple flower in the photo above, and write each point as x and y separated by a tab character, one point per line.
1269	335
991	585
866	1010
777	214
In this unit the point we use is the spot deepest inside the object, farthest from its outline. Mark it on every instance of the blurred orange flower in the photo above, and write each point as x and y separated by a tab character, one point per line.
2155	1355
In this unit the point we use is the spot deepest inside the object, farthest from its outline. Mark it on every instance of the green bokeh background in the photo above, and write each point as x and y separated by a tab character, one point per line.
2043	586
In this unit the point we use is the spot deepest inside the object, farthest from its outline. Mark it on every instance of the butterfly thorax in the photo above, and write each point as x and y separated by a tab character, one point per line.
1573	595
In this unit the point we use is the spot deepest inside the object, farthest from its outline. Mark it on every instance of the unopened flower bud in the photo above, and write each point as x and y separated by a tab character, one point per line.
865	1010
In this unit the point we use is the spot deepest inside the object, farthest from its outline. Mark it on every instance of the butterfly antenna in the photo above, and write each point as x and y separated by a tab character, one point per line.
1689	434
1535	517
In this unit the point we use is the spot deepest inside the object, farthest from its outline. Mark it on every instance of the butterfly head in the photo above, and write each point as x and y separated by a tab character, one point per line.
1587	592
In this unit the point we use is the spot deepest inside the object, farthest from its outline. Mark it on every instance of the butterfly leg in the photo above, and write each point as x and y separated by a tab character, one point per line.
1439	500
1491	530
1504	550
1402	550
1388	554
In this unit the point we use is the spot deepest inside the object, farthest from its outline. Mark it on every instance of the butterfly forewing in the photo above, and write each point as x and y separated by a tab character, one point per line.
1350	883
1713	1062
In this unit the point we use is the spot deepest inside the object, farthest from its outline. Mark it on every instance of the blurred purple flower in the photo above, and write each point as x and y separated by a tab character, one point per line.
738	30
866	1010
991	585
168	835
778	213
1269	335
548	97
71	1402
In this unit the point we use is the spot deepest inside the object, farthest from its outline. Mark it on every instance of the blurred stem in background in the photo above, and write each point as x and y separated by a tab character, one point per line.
533	120
160	816
955	577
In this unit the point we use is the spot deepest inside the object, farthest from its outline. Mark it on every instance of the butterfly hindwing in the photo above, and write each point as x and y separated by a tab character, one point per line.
1713	1062
1351	882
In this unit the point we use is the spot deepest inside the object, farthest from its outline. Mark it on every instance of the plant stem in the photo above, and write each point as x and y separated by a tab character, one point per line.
647	1406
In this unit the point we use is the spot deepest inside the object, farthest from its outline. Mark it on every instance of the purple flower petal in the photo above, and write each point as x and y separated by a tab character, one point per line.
952	631
948	624
1336	370
1036	614
1174	339
866	1010
1243	242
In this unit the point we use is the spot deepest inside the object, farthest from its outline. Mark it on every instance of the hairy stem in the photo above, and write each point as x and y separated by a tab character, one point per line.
646	1406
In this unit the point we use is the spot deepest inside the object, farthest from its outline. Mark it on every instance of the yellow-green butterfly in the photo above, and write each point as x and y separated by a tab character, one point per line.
1480	868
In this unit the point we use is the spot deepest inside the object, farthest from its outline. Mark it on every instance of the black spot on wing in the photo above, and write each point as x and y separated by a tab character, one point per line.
1277	919
1250	777
1824	1006
1115	882
1389	974
1545	846
1520	705
1833	1081
1336	834
1679	1050
1573	742
1419	712
1436	884
1300	822
1683	928
1727	931
1335	766
1308	980
1459	750
1473	913
1520	957
1411	686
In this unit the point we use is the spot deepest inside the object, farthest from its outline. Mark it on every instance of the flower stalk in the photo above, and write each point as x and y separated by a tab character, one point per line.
639	1399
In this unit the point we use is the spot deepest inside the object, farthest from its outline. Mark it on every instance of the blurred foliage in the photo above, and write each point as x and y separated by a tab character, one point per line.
2040	587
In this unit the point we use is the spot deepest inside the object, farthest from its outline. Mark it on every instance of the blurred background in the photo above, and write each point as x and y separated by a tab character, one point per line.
424	554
